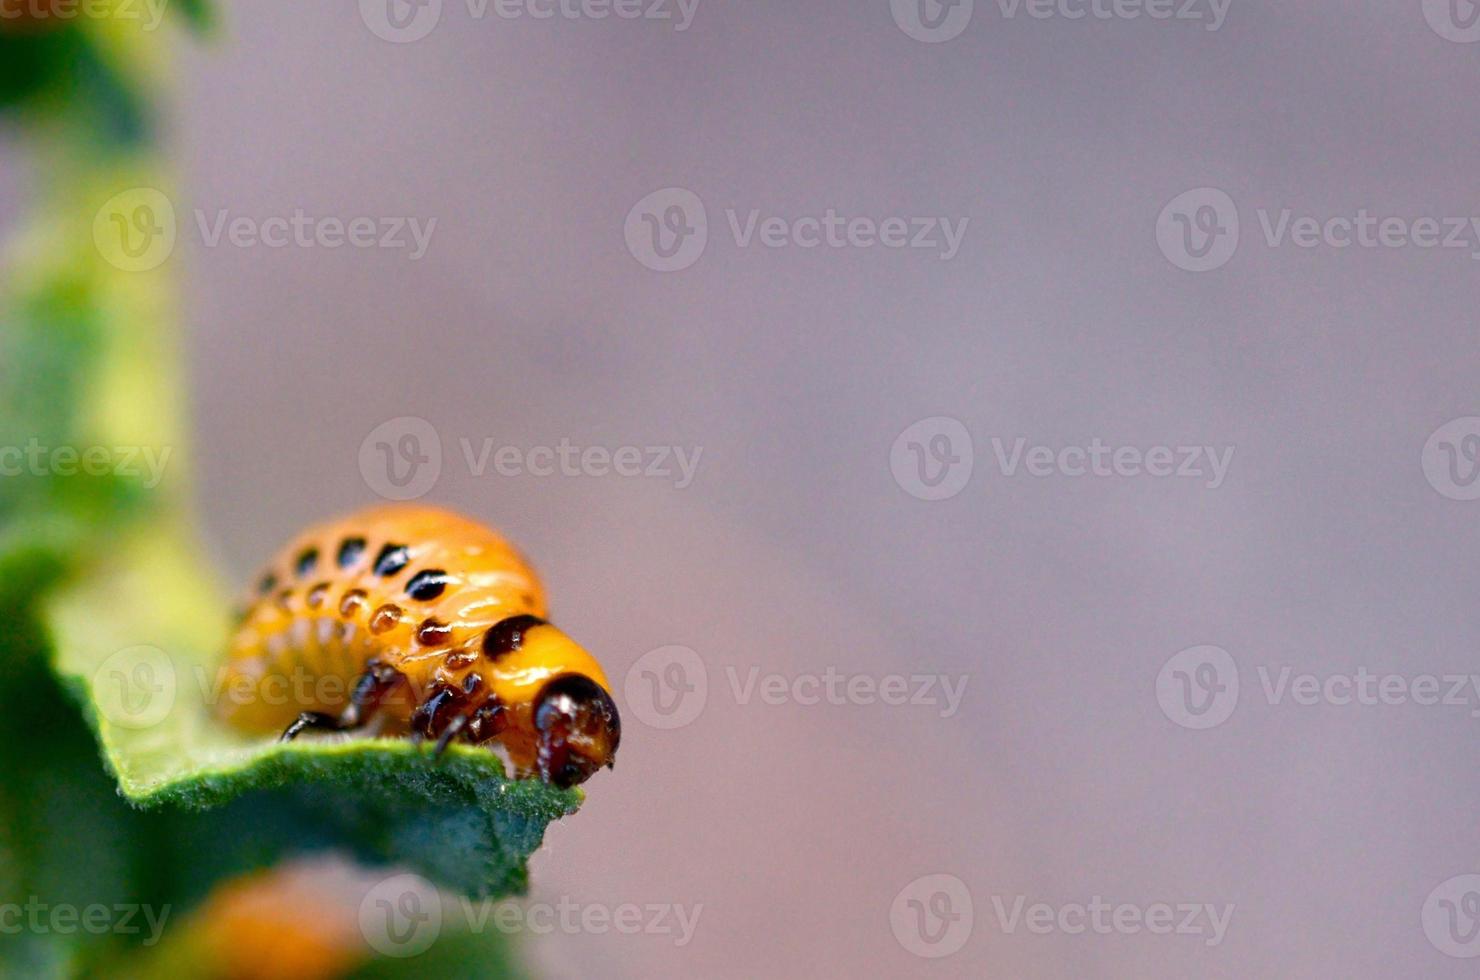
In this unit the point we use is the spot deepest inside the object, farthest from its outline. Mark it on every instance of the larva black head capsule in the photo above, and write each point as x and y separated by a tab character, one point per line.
577	728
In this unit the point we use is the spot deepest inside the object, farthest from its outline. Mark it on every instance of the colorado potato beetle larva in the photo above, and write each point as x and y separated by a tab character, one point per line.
427	624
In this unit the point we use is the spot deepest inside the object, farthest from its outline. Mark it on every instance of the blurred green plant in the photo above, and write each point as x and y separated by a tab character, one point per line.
99	574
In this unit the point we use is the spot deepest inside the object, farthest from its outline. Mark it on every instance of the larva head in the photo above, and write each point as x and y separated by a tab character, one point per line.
565	724
578	729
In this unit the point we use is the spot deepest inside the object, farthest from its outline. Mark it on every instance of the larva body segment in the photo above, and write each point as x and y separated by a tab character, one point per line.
414	620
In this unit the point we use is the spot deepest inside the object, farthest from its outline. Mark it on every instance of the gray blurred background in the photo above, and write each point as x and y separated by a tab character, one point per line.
1333	830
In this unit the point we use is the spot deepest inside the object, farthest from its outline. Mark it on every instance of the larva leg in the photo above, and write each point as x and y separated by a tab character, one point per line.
448	734
444	715
315	719
369	689
424	722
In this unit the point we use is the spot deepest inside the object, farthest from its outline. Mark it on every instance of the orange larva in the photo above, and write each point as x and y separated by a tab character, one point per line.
411	620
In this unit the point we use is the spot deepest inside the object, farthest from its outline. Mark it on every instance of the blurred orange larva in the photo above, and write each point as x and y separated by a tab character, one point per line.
407	619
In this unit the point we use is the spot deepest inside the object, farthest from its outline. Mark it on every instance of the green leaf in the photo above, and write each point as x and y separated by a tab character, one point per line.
200	15
70	75
139	640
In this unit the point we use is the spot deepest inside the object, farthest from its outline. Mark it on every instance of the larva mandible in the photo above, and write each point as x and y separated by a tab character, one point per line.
425	623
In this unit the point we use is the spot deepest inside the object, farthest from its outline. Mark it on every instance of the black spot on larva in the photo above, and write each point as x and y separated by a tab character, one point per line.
316	595
472	682
350	550
392	558
353	601
507	635
433	632
307	559
427	585
458	659
267	583
386	618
